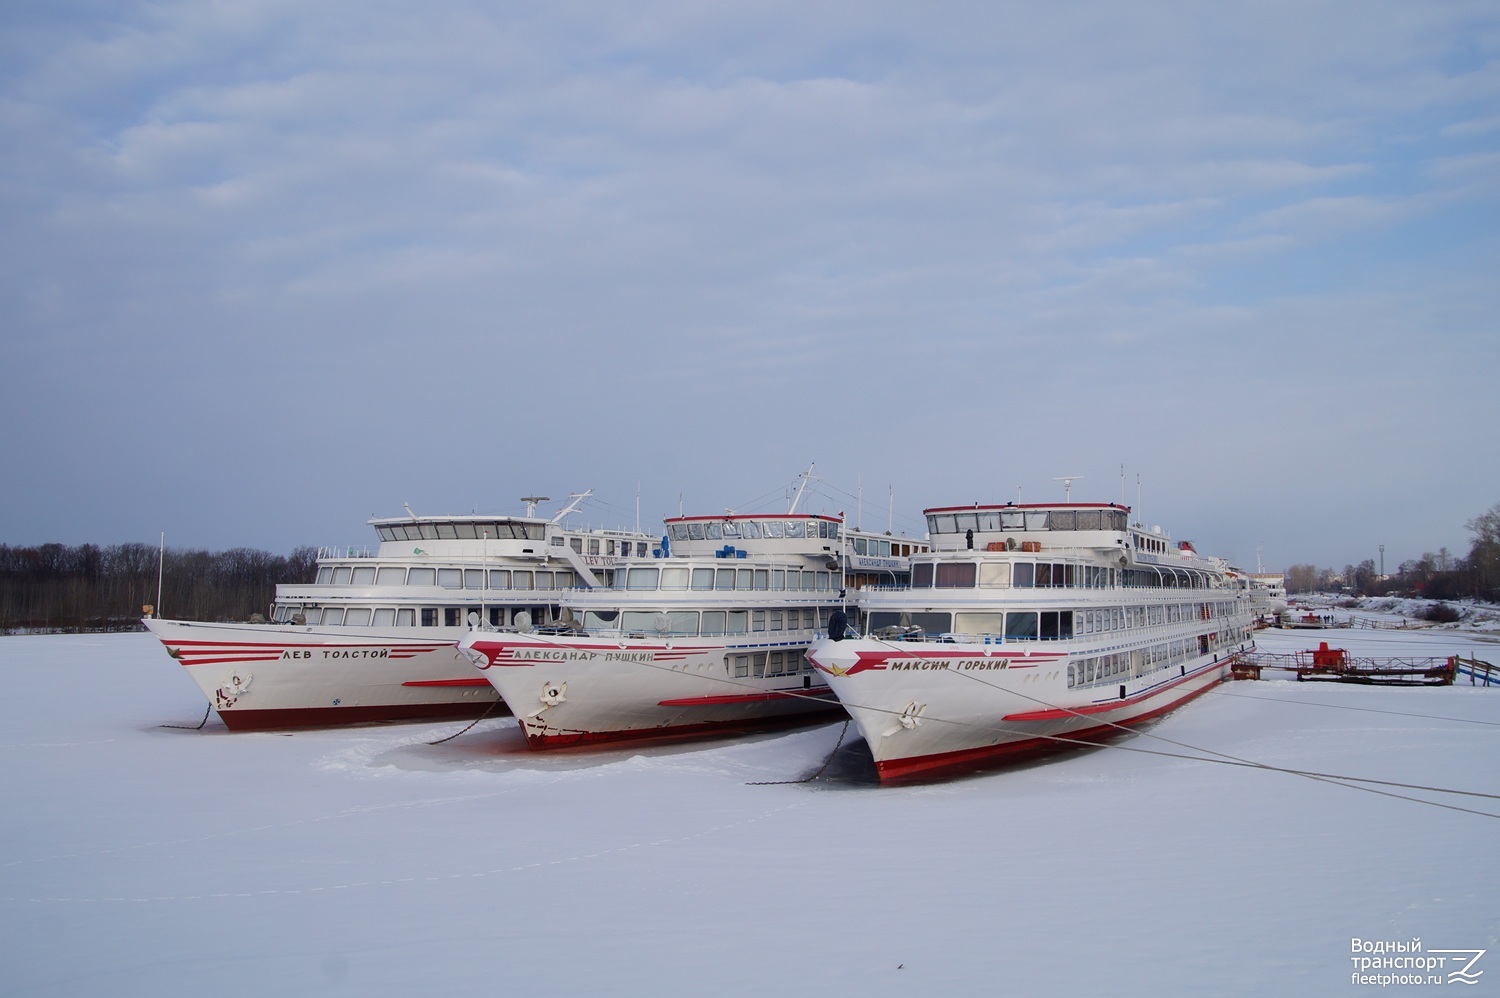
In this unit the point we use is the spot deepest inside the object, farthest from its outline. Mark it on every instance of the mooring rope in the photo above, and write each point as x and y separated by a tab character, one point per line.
498	701
191	727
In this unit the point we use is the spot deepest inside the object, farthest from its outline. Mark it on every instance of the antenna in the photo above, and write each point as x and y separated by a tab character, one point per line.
806	477
575	500
531	502
407	507
1068	481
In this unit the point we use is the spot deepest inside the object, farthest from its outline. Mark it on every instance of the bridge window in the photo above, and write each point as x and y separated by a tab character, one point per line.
956	575
1021	625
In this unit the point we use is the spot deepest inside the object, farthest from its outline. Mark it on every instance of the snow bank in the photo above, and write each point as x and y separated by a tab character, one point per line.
142	859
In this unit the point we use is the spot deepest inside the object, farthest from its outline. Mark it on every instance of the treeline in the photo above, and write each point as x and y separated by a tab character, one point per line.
54	587
1439	576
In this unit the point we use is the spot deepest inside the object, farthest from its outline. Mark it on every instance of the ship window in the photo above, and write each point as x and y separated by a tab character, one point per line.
470	531
778	579
1012	520
520	580
406	617
333	615
731	529
641	578
1062	519
1089	519
639	621
674	578
796	528
325	576
312	615
758	620
741	666
956	575
1021	625
1043	575
713	622
451	616
964	522
565	579
724	578
447	531
499	578
385	617
364	575
451	578
390	576
993	574
1023	575
824	580
422	577
758	665
544	580
762	579
751	529
597	619
473	578
921	575
738	622
713	531
703	578
684	622
358	616
774	528
1036	520
429	617
776	620
979	623
774	664
743	578
341	576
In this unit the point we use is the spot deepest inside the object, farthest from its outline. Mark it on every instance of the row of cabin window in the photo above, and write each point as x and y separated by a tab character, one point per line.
1047	575
1092	670
607	546
980	521
707	623
446	578
768	664
748	579
385	616
714	530
460	531
1048	625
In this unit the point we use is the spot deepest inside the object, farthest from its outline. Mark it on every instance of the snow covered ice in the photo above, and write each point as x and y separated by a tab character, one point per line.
141	859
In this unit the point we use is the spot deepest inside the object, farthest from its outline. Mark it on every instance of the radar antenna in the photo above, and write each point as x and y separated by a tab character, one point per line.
531	502
1068	481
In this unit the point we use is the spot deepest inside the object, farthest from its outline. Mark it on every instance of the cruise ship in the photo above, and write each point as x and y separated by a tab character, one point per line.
374	637
1028	627
707	636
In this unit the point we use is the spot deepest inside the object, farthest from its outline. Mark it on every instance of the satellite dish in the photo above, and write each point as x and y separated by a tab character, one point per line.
662	622
523	622
473	619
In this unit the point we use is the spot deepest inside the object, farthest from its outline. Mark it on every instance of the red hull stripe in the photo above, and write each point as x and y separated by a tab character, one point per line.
729	698
324	717
932	765
575	739
191	653
477	681
1058	713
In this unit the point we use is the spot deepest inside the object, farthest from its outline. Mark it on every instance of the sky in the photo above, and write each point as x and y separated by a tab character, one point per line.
270	268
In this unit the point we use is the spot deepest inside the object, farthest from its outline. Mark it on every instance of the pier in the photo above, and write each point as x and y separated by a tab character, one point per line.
1335	665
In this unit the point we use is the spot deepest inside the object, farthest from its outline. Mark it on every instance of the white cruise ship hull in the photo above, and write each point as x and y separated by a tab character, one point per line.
270	676
930	709
569	691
